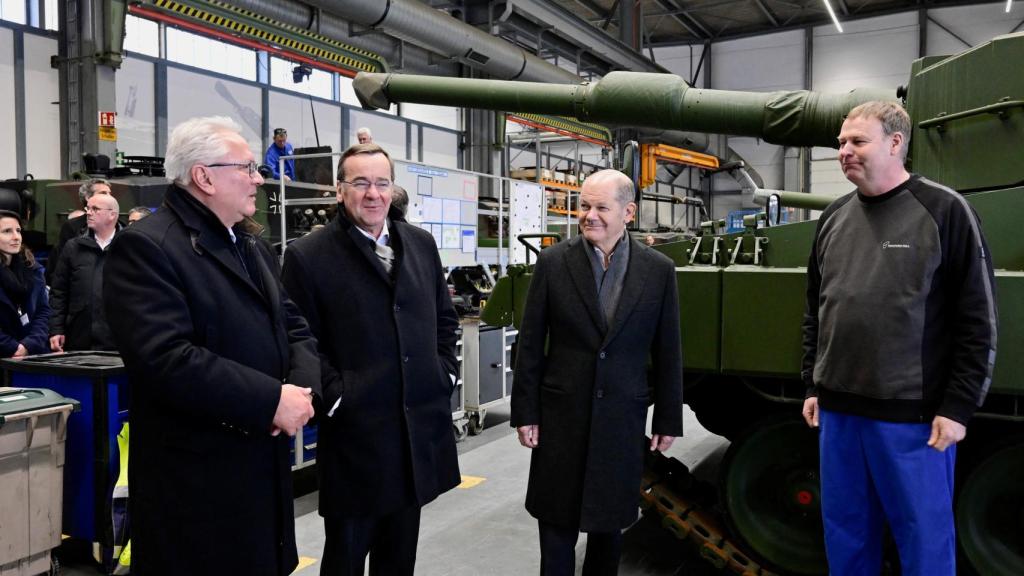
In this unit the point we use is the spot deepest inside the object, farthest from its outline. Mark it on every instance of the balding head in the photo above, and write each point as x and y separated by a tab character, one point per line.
606	204
618	181
101	215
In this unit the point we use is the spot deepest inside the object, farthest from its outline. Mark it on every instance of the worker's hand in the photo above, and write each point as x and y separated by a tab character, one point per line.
661	443
21	352
57	342
294	409
811	411
529	436
945	433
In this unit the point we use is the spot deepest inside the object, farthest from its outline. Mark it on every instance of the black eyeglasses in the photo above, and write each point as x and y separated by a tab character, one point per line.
89	209
363	186
252	167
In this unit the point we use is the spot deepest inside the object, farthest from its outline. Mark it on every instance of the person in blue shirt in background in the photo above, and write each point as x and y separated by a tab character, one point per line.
279	148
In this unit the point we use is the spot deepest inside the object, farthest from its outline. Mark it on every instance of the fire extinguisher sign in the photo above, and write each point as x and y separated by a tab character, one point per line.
107	131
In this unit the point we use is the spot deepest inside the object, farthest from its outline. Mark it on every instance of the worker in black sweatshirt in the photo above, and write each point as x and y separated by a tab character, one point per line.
899	344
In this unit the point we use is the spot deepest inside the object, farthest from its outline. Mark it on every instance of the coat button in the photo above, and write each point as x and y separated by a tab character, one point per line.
602	355
398	308
405	358
600	394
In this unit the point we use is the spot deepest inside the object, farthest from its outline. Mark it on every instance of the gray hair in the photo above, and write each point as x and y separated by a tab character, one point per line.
891	115
624	190
400	199
144	211
197	141
85	191
364	130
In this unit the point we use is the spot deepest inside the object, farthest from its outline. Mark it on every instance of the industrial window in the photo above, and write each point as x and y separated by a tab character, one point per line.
140	35
52	15
13	11
319	83
215	56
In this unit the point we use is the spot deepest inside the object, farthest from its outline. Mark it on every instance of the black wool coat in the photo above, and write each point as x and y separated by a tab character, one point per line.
387	351
588	388
206	347
76	296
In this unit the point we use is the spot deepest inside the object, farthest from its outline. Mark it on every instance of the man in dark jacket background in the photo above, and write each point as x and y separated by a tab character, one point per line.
375	296
220	364
77	321
599	305
75	226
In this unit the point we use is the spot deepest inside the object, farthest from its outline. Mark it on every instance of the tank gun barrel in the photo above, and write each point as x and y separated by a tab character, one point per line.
790	118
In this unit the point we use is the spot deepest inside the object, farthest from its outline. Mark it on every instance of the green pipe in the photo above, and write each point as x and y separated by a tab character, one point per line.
795	199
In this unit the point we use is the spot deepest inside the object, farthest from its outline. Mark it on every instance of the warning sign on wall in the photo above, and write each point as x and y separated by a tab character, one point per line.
107	119
108	133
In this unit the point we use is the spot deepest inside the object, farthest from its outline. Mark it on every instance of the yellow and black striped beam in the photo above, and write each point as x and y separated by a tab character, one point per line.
270	34
568	126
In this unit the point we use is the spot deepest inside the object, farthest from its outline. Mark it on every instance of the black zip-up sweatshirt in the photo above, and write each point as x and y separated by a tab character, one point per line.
901	314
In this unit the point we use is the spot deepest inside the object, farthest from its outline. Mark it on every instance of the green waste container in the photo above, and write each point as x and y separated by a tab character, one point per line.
33	428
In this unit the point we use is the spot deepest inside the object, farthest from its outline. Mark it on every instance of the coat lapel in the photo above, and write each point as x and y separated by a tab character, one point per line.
632	288
205	239
582	274
221	251
267	280
365	247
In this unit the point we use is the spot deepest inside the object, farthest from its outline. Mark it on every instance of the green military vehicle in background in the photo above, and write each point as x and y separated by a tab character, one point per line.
742	295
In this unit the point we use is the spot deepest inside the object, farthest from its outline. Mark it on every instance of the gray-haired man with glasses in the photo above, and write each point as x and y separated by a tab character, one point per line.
373	291
221	366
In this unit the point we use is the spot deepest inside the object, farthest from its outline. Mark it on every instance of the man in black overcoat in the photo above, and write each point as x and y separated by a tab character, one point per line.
375	296
221	367
599	342
76	294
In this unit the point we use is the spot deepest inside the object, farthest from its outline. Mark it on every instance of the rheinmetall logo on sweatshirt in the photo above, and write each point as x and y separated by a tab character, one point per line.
886	245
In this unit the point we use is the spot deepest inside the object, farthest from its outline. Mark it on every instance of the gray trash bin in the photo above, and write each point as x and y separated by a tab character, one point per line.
33	427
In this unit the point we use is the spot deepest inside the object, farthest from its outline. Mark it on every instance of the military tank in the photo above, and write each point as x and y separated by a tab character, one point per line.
742	295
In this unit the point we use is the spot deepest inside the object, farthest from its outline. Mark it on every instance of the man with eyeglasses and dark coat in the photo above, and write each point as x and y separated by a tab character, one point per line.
221	367
374	294
76	293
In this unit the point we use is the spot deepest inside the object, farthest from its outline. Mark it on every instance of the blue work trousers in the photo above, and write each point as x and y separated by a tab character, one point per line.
873	471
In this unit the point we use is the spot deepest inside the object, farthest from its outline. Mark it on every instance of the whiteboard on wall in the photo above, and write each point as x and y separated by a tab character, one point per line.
443	202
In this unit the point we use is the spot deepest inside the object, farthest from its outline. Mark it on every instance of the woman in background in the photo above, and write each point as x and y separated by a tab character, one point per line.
24	310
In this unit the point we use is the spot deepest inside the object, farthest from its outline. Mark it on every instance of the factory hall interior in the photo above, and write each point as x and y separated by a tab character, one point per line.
508	287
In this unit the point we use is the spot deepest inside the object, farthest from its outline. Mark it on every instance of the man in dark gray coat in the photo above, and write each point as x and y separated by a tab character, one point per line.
598	308
220	364
375	296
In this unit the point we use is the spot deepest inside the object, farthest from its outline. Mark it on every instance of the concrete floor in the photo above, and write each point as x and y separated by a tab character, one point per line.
481	528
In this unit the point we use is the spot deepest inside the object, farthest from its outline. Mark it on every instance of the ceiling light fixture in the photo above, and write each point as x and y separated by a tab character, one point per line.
835	20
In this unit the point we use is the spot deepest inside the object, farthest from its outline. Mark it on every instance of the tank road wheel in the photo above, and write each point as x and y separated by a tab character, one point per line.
990	513
770	490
